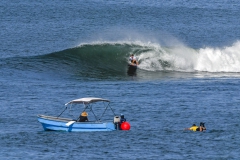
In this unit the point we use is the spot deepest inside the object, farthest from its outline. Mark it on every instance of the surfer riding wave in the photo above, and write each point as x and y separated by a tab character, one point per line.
133	60
132	66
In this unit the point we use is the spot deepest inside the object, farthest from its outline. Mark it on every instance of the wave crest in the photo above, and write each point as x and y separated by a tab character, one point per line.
186	59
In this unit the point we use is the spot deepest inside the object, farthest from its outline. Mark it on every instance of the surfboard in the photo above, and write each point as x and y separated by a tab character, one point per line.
132	69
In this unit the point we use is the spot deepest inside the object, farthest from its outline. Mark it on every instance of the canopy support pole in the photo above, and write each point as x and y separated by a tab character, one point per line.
62	112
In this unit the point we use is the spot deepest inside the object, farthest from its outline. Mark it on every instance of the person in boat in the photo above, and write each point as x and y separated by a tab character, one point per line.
83	117
196	128
122	118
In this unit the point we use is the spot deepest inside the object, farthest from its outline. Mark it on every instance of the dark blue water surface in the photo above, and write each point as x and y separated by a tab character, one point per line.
189	55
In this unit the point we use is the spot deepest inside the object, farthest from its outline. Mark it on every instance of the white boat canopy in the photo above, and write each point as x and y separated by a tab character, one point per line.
87	100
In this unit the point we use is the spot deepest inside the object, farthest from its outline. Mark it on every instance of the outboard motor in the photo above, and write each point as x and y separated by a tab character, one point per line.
121	123
116	122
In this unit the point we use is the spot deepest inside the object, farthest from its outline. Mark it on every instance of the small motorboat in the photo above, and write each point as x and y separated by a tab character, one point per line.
117	122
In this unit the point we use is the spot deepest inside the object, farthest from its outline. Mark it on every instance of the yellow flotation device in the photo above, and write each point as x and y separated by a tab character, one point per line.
193	128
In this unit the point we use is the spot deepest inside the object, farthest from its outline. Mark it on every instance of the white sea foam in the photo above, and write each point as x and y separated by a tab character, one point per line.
226	59
182	58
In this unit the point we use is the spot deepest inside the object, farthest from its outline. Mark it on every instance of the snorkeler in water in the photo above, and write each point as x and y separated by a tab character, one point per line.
196	128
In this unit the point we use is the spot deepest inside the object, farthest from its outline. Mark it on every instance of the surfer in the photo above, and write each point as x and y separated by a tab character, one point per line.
131	57
132	66
196	128
133	60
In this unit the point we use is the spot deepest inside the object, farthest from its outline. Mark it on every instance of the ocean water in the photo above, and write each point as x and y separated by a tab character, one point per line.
52	52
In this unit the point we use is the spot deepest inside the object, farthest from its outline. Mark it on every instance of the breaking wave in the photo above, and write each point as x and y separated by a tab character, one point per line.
108	59
153	57
184	59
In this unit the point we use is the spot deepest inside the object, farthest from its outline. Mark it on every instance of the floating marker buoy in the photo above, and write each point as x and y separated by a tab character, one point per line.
125	126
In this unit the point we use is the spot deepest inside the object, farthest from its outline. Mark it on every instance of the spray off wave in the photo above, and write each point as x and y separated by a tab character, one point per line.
184	59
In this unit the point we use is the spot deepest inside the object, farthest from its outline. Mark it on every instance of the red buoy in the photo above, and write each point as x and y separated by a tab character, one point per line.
125	126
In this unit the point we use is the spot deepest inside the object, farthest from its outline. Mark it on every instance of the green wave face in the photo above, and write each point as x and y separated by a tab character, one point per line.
104	60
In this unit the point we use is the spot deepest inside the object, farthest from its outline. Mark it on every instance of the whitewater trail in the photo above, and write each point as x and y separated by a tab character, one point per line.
185	59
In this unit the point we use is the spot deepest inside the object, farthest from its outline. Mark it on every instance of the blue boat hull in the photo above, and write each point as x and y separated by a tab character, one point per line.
59	124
